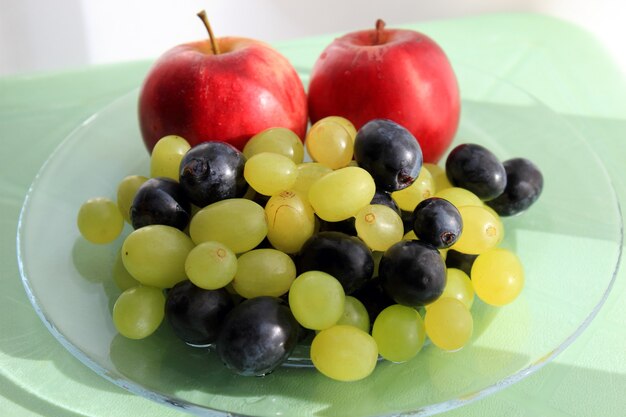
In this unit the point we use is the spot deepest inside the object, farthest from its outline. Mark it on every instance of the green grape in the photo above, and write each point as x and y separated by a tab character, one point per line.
355	314
422	188
330	143
316	300
166	157
379	226
459	286
399	333
99	220
481	230
276	140
497	276
347	124
139	311
308	173
238	223
344	353
264	272
459	197
340	194
126	191
440	179
211	265
155	255
270	173
449	324
122	278
290	221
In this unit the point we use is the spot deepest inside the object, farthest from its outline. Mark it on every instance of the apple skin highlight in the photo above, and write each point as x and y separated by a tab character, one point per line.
246	88
396	74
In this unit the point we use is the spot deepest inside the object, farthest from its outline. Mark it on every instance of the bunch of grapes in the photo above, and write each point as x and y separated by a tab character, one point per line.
364	252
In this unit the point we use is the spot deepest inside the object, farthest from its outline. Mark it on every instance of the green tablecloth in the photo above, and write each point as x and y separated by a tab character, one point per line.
559	63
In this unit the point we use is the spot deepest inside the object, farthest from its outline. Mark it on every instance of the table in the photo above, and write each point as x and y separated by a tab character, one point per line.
559	63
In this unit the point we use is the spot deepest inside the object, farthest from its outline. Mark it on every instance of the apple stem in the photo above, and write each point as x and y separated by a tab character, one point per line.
380	26
207	25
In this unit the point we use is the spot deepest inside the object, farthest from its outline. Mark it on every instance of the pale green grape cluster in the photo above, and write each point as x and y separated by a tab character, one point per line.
497	276
449	324
459	197
379	226
126	191
249	245
482	230
238	223
211	265
399	333
340	194
270	173
100	220
155	255
344	353
308	173
438	175
264	272
277	140
166	156
316	300
330	142
290	220
139	311
459	286
355	314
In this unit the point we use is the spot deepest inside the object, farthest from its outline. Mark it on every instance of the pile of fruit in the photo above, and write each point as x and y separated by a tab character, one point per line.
362	253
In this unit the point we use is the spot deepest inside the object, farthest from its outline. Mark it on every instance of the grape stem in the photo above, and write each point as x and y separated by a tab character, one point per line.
202	15
380	26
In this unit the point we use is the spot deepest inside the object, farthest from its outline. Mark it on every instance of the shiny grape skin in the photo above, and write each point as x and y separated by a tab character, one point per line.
412	273
347	226
257	336
476	169
212	171
344	257
438	222
523	187
389	152
160	201
462	261
196	315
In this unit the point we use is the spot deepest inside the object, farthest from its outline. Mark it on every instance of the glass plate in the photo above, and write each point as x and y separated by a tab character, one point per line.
569	242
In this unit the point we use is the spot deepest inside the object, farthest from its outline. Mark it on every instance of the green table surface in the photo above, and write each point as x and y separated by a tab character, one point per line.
559	63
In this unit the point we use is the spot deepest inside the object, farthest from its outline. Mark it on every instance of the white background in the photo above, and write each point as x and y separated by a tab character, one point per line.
43	35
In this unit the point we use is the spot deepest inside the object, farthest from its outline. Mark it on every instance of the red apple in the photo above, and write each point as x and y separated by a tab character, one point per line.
225	89
395	74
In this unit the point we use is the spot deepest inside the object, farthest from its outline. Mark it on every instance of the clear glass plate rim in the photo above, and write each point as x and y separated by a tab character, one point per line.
178	403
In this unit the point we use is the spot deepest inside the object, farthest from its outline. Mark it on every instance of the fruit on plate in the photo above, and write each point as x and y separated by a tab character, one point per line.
220	89
396	74
389	153
412	273
160	201
257	336
475	168
253	276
